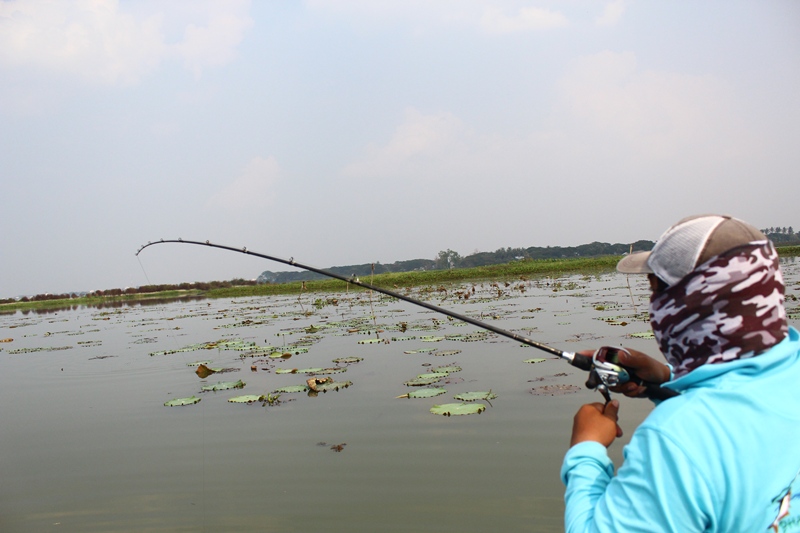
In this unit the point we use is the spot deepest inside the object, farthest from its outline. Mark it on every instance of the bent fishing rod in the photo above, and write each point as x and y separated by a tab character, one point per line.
603	367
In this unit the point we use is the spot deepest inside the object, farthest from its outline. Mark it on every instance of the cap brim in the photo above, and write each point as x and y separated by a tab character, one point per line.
635	263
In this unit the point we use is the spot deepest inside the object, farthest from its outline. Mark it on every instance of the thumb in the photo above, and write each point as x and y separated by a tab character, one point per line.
611	411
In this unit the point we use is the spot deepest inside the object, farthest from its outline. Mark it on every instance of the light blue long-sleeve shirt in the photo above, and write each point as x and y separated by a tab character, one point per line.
724	456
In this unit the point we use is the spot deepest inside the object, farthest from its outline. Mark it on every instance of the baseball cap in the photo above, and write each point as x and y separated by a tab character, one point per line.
689	243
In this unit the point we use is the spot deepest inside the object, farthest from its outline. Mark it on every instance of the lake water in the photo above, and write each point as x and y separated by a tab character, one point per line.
88	444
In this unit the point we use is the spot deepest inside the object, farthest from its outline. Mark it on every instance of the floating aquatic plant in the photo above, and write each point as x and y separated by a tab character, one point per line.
372	341
247	398
333	386
535	360
34	350
348	360
456	409
224	385
429	392
474	396
423	380
191	400
292	389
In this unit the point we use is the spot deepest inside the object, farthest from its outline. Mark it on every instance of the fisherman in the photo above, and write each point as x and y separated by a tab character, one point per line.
724	455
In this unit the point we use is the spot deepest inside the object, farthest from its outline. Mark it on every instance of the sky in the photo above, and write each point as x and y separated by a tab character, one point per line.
344	132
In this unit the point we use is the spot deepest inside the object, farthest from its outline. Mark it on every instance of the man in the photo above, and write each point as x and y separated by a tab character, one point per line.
724	455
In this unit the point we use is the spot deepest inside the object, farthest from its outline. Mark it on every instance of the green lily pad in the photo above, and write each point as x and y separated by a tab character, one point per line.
314	370
247	398
473	396
370	341
429	392
292	388
333	385
191	400
198	363
537	360
642	335
423	380
456	409
224	385
431	338
420	350
446	369
348	360
448	352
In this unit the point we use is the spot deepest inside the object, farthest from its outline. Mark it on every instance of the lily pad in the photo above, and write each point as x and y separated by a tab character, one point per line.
247	398
446	369
371	341
423	380
429	392
448	352
333	385
456	409
537	360
348	360
292	388
473	396
191	400
224	385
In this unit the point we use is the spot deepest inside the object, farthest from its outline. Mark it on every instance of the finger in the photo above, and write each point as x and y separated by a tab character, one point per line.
611	410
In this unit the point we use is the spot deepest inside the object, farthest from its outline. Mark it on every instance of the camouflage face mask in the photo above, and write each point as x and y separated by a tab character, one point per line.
730	307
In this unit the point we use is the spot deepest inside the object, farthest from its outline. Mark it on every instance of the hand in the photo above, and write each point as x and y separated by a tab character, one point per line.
641	366
596	422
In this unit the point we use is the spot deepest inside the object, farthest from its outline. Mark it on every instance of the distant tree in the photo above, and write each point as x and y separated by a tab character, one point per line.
448	259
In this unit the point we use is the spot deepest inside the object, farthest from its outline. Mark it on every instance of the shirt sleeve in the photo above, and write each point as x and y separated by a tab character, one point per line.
656	489
586	471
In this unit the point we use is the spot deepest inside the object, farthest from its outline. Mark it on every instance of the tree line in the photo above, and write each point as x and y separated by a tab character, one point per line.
144	289
447	259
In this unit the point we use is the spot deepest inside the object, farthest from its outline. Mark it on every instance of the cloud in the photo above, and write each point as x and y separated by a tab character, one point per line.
254	187
495	20
417	142
657	113
612	13
215	44
99	42
514	17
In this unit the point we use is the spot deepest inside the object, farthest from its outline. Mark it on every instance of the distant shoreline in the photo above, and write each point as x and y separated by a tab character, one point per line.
516	270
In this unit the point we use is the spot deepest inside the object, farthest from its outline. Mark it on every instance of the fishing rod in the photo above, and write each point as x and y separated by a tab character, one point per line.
603	367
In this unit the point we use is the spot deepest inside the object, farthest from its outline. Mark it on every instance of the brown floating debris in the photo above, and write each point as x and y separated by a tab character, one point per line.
313	382
203	371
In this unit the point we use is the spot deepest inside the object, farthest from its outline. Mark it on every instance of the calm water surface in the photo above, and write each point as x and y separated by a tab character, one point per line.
88	445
